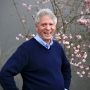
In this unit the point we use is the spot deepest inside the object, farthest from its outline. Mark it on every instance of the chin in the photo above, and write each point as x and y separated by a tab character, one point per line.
48	38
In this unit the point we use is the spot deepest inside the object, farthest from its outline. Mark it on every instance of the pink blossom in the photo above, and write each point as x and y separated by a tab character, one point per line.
78	72
68	46
78	46
81	66
65	42
83	60
37	2
23	20
70	36
29	7
87	68
85	55
17	38
83	72
24	4
72	44
79	36
27	39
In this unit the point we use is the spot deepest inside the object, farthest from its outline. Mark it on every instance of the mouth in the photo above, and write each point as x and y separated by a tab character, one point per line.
48	33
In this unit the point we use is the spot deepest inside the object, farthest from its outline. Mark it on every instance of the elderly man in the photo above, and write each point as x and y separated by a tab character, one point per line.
41	61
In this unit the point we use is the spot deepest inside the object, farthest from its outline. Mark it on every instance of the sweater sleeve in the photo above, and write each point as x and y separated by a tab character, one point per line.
66	69
12	67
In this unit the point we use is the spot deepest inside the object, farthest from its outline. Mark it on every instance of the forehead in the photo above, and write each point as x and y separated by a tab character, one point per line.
46	18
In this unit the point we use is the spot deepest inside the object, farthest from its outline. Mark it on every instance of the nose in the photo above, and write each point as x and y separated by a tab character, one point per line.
48	27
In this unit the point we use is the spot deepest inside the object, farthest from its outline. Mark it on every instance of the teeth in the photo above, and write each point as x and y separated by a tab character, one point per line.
47	33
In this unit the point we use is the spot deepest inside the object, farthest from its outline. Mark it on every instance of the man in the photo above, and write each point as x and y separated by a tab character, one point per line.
40	61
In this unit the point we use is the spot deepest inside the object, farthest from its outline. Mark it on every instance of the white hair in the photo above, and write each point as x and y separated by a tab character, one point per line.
43	12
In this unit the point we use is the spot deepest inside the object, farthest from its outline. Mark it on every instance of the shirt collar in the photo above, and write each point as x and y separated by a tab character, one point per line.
42	42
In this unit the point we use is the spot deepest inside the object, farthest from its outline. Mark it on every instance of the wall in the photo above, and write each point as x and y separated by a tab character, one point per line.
10	27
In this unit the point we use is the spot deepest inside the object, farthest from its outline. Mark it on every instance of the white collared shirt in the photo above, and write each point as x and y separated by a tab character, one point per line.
42	42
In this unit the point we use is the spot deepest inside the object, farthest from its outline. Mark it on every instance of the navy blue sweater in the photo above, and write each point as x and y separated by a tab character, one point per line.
40	68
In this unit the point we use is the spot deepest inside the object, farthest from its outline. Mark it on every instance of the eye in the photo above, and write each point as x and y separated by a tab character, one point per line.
44	24
50	24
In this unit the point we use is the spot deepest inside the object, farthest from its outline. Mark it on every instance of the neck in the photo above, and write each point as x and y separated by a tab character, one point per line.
47	41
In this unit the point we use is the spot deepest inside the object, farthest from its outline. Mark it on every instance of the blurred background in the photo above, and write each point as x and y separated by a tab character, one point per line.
73	31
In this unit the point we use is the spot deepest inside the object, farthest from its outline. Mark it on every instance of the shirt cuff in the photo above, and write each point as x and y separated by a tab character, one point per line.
65	89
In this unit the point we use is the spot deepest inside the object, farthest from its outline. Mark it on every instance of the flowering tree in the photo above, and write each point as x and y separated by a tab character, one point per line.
73	30
75	41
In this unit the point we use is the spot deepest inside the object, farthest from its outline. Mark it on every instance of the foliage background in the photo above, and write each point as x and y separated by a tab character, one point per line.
11	26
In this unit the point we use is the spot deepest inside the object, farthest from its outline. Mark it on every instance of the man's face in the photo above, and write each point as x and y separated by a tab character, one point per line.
46	28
